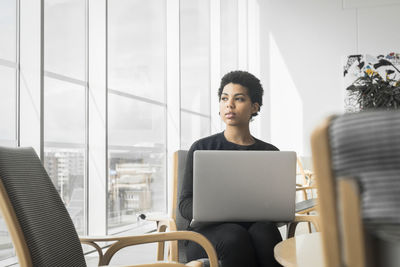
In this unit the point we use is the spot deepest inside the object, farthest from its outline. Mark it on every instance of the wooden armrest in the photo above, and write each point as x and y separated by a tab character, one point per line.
167	264
302	218
124	241
164	222
156	217
170	264
305	188
305	218
314	219
195	264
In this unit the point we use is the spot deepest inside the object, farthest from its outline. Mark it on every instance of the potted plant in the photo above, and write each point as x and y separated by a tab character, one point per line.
372	91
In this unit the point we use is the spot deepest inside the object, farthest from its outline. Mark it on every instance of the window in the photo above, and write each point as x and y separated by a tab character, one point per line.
8	92
134	105
8	66
137	110
229	36
194	127
195	69
65	103
7	105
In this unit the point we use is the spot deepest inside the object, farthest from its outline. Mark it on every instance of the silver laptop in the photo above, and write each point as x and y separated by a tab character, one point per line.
240	186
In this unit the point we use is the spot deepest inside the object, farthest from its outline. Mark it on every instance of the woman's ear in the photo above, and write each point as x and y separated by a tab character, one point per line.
255	107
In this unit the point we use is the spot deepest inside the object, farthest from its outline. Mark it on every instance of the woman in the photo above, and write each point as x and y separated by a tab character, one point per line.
241	244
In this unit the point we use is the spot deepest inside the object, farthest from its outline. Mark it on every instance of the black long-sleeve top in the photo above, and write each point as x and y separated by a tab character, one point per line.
213	142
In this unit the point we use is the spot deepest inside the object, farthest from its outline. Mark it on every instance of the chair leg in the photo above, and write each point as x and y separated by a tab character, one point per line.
161	245
309	225
291	229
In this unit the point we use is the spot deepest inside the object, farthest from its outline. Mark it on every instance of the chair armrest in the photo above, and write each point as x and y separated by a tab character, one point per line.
155	216
163	223
305	188
314	219
124	241
162	220
194	264
170	264
307	218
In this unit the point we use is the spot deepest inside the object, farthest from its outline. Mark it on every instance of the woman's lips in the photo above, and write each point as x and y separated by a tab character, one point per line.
230	115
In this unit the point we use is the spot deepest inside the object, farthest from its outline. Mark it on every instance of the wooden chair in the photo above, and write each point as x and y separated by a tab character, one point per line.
40	227
356	160
307	188
306	175
308	204
177	222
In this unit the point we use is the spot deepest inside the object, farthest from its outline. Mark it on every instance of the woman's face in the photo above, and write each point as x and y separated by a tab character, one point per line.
235	106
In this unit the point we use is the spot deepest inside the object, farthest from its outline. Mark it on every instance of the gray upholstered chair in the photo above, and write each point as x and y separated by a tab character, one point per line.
40	227
177	222
357	167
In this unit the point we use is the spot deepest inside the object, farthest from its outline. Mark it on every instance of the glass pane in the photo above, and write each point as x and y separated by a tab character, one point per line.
64	109
136	47
195	55
229	36
66	168
6	249
7	99
137	160
7	103
8	143
194	127
64	147
8	31
64	32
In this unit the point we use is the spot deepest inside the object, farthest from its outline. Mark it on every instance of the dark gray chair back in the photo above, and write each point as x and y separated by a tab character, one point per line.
46	225
367	146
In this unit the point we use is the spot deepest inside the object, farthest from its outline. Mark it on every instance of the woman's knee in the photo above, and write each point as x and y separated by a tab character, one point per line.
233	237
232	243
266	229
233	232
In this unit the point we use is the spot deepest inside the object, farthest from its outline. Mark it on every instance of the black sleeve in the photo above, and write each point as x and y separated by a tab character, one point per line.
186	197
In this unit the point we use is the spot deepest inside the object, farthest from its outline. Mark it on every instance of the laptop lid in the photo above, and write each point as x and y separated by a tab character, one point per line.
238	186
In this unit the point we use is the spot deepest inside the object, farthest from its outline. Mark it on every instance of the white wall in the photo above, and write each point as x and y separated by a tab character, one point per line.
302	47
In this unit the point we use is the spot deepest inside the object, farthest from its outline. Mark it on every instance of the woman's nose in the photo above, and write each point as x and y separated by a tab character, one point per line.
229	104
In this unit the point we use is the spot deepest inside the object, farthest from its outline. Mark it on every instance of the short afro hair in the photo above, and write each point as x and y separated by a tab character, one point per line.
245	79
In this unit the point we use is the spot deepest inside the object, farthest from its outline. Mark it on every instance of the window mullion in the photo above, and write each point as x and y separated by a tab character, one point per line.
97	117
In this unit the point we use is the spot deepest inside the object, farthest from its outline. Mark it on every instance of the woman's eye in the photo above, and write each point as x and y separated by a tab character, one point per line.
224	98
240	99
